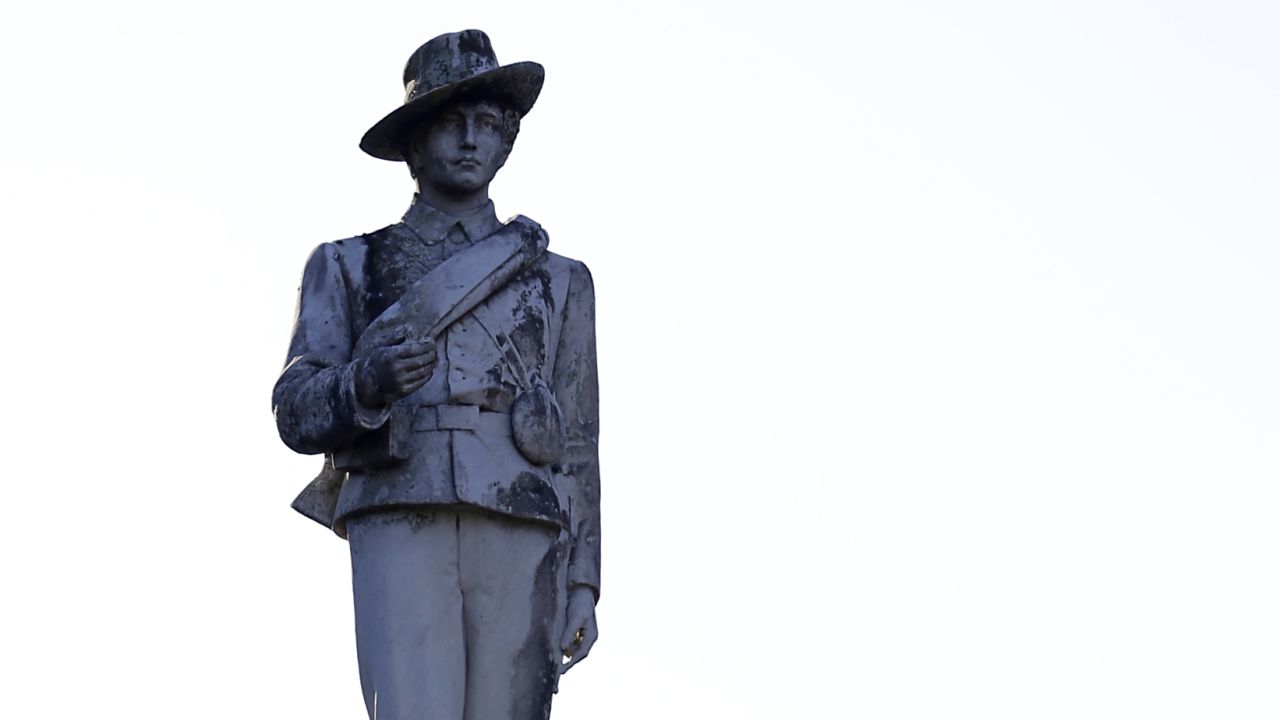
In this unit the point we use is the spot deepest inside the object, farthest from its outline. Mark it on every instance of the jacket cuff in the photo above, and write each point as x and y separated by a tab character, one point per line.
595	591
580	576
363	416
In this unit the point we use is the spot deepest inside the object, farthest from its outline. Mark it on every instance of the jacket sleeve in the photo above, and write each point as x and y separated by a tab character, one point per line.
314	399
576	388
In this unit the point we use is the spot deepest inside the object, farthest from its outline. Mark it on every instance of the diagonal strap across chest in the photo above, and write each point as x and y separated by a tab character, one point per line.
456	286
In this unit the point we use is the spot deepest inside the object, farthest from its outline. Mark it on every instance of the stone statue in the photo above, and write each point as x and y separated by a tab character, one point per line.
446	368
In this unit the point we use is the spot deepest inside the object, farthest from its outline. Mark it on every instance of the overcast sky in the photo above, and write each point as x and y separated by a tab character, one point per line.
937	340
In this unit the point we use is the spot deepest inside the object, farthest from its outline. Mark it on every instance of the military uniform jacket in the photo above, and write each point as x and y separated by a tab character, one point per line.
541	325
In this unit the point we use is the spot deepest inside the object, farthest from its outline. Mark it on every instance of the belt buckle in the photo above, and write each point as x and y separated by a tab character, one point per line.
457	417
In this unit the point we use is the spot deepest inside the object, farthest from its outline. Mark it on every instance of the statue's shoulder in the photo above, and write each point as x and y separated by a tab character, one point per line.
394	233
558	263
555	264
562	265
570	279
351	252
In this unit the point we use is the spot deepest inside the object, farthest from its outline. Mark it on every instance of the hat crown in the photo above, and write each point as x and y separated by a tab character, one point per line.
452	67
447	59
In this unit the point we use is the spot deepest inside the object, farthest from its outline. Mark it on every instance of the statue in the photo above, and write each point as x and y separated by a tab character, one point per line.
445	366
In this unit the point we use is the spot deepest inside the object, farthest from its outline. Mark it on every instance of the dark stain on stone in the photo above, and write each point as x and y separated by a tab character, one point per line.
531	696
380	273
474	42
494	373
419	519
527	337
529	496
540	277
529	315
395	259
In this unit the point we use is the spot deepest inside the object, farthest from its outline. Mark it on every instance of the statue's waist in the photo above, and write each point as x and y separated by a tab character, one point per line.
459	417
450	454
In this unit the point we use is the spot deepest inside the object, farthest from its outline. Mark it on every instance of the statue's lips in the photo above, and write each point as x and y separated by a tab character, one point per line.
467	162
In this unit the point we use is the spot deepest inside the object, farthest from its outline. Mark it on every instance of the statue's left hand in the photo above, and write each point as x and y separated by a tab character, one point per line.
580	631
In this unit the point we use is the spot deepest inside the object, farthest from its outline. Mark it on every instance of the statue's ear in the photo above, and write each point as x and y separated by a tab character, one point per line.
410	155
409	159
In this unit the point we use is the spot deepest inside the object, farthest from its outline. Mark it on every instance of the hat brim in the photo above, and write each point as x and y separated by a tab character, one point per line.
516	85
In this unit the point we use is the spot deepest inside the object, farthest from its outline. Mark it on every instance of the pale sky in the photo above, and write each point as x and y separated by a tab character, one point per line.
937	349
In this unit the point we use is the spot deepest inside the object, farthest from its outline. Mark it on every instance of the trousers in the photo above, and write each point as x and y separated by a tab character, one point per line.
458	613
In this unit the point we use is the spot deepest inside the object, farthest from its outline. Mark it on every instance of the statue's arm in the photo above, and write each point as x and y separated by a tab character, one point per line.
577	391
314	399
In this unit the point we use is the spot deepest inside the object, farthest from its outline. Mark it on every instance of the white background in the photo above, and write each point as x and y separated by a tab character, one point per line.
937	341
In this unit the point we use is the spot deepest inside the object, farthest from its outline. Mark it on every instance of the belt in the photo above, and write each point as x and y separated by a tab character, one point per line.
460	417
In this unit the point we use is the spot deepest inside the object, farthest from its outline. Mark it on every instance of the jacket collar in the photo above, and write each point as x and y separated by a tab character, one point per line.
432	224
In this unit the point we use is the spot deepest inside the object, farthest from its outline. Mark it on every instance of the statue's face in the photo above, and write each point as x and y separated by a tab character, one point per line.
462	149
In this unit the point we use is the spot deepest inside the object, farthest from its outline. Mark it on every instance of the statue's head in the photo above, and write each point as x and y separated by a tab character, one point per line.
459	147
457	97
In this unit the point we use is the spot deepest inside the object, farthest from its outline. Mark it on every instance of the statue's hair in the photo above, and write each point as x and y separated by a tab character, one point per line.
510	126
510	129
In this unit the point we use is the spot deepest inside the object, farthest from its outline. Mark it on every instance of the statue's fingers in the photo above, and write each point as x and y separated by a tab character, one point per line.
415	348
576	643
416	364
406	382
428	354
579	654
569	640
419	379
589	635
414	386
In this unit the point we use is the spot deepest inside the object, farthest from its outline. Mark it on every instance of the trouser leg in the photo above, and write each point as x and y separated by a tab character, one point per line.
408	608
513	603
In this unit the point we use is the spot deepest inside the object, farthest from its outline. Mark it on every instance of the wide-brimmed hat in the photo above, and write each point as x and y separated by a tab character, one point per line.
454	66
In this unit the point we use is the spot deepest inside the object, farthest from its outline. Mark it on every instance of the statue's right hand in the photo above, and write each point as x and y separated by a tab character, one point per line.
394	371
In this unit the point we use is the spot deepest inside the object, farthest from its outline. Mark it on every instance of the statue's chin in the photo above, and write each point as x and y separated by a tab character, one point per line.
462	182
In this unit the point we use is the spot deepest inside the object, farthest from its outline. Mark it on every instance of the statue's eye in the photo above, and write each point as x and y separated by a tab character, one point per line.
488	123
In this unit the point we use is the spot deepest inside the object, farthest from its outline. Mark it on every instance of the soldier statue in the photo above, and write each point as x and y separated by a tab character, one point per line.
445	366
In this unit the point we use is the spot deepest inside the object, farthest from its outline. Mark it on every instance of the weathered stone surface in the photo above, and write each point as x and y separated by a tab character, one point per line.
445	366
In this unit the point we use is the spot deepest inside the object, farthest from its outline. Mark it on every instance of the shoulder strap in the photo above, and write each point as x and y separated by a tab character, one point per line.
457	285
